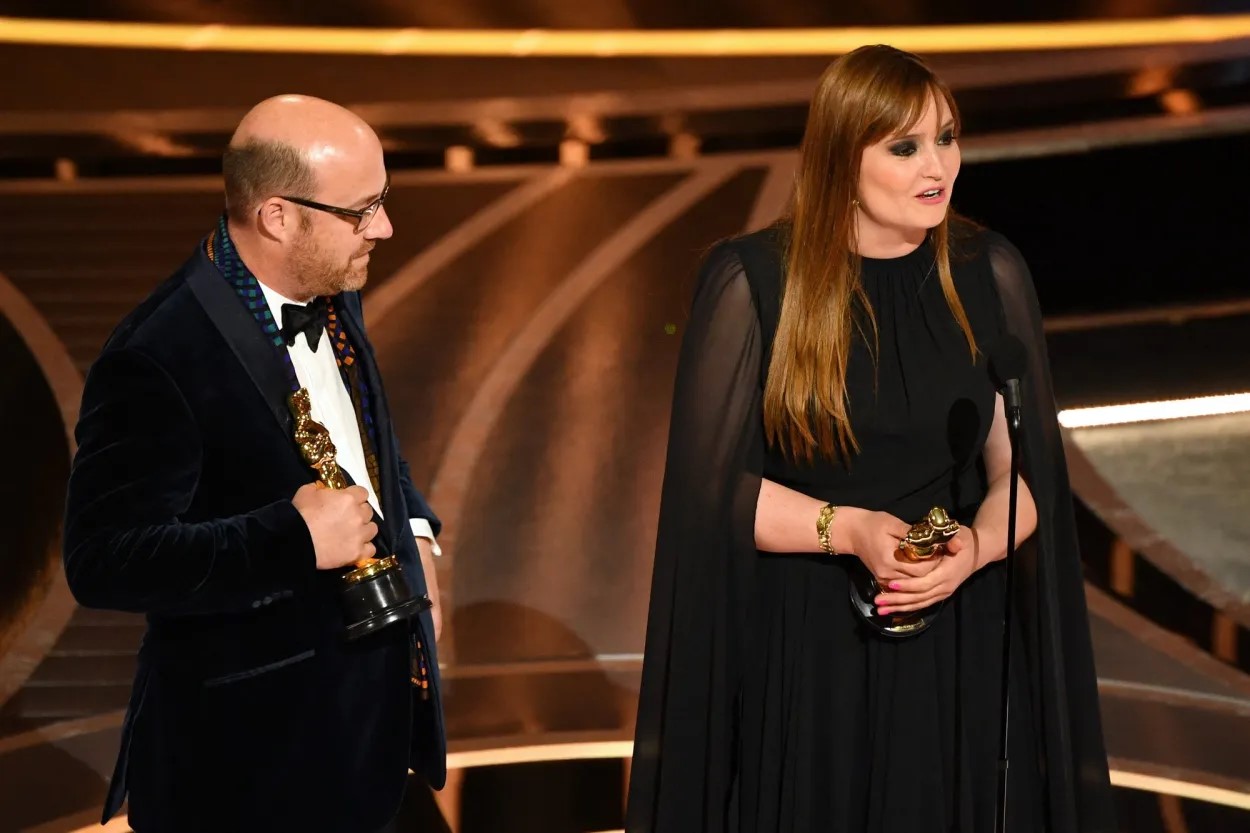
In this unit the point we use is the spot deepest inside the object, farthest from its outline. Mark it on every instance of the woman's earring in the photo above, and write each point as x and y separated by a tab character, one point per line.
855	203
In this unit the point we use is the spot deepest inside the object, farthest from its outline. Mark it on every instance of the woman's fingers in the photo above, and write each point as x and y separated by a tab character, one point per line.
913	585
910	607
895	599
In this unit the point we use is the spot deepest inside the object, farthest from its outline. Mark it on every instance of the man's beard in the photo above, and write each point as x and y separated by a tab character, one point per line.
322	274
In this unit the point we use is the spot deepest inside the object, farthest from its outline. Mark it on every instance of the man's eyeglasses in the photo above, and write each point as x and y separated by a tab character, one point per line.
362	216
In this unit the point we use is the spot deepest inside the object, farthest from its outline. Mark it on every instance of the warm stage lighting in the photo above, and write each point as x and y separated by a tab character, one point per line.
988	37
1119	778
1233	403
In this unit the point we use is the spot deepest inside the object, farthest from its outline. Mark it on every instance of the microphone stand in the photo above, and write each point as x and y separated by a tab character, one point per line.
1012	401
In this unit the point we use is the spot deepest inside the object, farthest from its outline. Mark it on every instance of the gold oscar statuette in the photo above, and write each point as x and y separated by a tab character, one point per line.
927	538
375	591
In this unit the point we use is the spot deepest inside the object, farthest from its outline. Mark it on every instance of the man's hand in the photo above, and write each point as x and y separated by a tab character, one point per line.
340	522
431	584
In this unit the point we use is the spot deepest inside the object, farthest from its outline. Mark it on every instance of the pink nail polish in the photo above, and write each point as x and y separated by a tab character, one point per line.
883	610
894	585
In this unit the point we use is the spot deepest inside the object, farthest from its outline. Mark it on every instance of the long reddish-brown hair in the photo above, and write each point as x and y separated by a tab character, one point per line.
862	98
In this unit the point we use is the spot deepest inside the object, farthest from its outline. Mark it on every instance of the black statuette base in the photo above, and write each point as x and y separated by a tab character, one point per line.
379	600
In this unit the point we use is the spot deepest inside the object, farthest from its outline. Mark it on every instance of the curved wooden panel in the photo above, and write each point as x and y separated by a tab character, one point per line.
31	621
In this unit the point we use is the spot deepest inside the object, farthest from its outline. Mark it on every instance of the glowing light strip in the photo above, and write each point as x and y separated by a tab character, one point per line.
117	824
1233	403
1181	789
540	753
990	37
1119	778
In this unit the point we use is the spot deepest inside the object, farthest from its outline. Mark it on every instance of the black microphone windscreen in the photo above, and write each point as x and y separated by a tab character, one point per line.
1008	359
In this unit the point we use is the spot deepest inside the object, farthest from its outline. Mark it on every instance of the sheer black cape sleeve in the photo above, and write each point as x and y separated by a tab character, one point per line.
1050	590
705	553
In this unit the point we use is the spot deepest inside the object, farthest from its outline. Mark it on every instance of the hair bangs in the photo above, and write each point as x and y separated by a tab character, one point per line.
903	107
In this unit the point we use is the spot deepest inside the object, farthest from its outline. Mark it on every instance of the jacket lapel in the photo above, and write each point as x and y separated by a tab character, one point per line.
246	341
392	502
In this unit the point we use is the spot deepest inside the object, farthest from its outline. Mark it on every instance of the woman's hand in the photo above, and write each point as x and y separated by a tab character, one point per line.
947	573
873	538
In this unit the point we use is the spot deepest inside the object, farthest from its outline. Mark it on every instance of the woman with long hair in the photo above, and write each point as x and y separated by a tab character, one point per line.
824	645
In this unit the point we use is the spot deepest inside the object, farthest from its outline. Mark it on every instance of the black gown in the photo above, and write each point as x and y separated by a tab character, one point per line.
766	705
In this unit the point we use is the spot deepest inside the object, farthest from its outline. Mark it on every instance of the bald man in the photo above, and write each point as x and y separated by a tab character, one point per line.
189	501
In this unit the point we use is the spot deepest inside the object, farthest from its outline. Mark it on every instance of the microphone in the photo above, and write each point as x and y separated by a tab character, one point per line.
1008	363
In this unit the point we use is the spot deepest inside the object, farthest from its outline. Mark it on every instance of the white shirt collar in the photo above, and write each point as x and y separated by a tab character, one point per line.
275	300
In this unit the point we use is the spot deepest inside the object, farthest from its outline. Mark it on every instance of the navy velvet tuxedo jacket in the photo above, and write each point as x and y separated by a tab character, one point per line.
250	710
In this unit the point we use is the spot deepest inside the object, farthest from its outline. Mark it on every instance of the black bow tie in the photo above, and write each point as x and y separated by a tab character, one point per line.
309	319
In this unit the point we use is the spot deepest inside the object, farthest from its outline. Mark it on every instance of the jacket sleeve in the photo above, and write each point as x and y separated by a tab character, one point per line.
134	475
415	501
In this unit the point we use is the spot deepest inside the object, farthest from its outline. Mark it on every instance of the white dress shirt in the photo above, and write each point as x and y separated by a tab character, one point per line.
332	407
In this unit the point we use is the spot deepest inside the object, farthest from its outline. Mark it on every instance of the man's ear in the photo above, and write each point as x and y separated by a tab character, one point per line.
278	219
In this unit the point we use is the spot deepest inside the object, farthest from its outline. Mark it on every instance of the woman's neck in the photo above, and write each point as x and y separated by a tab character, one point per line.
882	242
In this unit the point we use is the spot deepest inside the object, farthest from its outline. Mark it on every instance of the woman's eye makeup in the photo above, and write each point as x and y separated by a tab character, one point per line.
908	147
